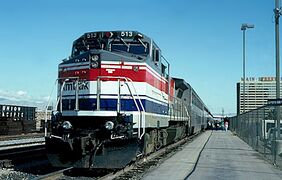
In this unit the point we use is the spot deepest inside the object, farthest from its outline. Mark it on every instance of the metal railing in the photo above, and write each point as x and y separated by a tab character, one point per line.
141	109
129	84
257	128
59	98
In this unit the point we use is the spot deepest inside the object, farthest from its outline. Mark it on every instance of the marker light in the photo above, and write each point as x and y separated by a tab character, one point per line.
94	64
109	125
108	34
95	58
67	125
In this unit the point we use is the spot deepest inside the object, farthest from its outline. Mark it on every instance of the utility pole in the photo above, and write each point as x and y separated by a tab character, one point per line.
244	70
277	13
244	27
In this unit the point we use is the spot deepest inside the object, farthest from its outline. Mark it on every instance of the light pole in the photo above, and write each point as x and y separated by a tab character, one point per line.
277	13
243	28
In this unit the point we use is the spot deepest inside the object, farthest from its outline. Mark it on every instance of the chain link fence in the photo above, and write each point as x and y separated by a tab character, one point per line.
257	128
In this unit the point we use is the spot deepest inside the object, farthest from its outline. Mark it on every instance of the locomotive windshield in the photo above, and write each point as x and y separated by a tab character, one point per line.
81	45
133	48
111	41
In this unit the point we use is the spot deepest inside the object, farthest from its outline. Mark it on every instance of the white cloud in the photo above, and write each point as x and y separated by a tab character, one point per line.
22	97
21	93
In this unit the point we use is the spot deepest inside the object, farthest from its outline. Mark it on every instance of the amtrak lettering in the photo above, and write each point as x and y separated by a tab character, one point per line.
71	86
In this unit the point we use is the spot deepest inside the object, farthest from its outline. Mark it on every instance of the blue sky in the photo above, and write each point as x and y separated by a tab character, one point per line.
201	39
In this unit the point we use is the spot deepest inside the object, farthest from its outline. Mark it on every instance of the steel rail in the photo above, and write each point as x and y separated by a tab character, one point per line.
53	175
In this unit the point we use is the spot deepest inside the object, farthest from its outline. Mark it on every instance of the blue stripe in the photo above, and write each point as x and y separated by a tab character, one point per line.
122	95
111	105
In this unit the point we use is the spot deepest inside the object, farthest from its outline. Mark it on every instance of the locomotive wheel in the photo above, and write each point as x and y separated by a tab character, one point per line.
146	144
150	142
162	138
154	140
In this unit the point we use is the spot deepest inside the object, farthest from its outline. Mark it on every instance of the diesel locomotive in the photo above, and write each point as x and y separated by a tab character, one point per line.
117	101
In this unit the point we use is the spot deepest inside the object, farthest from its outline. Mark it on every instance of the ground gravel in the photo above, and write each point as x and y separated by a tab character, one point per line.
8	174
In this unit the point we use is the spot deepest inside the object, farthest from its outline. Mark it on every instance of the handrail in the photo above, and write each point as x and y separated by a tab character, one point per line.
61	93
46	110
127	80
142	117
59	98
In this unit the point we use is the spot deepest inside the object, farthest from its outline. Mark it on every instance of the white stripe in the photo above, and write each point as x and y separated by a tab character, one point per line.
143	64
126	67
152	71
154	74
134	63
111	62
111	87
110	66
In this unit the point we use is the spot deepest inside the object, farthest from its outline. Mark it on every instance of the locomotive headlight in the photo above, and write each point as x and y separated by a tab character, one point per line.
109	125
94	64
66	125
95	58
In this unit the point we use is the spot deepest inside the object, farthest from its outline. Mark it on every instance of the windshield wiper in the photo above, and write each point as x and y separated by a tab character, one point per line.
143	44
84	44
125	44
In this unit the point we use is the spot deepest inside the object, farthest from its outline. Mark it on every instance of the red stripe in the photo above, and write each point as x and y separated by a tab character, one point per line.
136	76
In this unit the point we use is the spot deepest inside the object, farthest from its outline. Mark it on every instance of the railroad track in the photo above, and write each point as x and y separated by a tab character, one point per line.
22	136
13	151
53	175
18	152
21	144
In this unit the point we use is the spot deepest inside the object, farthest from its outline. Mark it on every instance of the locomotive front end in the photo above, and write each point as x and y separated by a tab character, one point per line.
93	126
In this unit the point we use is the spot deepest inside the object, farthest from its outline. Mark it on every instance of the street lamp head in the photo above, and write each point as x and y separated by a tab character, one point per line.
246	26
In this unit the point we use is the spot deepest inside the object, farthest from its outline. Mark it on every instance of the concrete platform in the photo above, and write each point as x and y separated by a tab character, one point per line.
225	156
179	165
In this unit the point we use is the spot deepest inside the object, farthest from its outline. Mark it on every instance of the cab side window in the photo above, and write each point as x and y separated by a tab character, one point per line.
156	56
153	54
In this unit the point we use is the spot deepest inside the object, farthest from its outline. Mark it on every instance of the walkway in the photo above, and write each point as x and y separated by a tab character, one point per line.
224	156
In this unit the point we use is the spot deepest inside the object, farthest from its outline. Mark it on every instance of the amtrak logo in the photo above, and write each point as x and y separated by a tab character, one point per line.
110	71
71	86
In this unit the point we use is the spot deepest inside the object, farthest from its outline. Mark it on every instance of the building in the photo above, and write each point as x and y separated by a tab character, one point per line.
40	119
258	91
